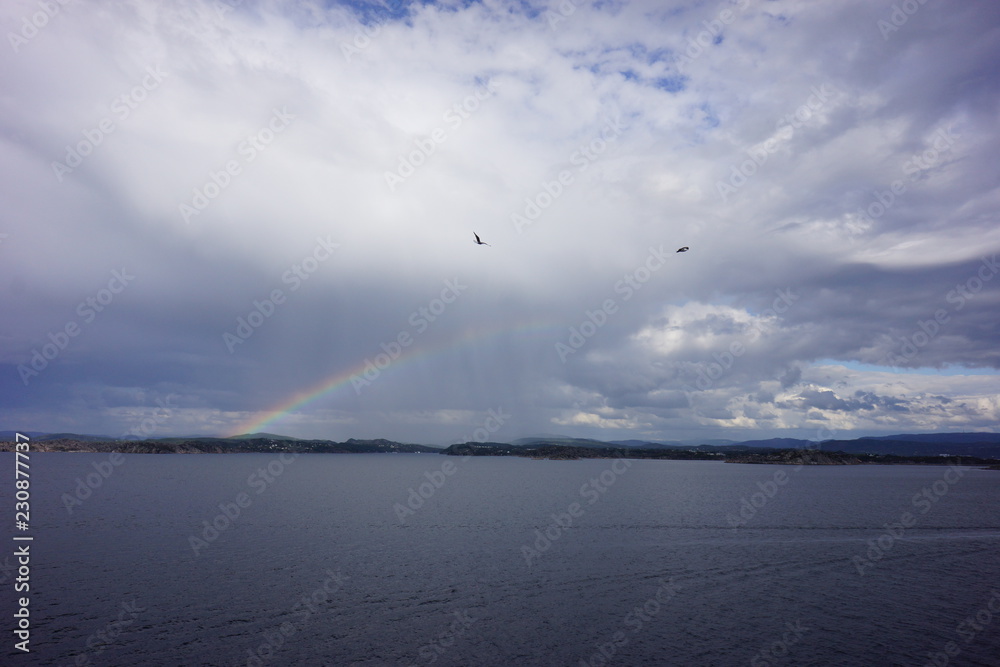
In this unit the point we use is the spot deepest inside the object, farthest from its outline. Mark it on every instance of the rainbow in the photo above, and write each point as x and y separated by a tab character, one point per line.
341	379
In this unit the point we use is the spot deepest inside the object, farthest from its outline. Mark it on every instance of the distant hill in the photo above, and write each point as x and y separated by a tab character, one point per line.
989	450
979	445
655	444
257	436
777	443
956	438
73	436
681	444
224	446
758	455
718	445
555	440
716	442
545	449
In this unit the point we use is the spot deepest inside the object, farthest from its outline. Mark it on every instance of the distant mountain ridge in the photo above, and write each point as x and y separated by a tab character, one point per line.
973	444
38	435
257	436
713	442
211	445
982	449
975	436
978	444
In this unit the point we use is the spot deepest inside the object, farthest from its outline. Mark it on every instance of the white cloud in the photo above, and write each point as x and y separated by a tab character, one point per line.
839	112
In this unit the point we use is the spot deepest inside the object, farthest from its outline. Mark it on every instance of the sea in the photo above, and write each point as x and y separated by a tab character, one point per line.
424	559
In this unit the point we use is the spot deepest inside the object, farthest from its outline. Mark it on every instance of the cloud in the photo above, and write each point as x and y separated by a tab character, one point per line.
836	184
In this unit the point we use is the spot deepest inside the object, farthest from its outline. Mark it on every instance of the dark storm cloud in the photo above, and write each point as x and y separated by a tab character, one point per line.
835	180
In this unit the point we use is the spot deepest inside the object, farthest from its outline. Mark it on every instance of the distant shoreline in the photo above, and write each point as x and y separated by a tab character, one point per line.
551	452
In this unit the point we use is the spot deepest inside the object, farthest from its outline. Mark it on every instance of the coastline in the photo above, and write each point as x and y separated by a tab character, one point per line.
549	452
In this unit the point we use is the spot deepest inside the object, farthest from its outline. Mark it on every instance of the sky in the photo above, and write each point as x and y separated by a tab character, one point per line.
230	217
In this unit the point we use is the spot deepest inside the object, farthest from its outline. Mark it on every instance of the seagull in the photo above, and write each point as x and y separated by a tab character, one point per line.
684	249
478	242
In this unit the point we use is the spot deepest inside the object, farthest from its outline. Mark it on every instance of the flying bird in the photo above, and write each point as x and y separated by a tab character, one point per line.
478	241
684	249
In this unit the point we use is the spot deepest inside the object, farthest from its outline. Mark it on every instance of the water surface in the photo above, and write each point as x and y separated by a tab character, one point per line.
651	570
